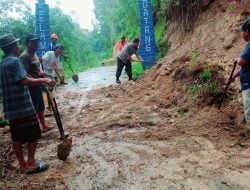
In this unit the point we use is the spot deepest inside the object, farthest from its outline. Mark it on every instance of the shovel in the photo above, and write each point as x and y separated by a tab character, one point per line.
74	76
228	82
64	148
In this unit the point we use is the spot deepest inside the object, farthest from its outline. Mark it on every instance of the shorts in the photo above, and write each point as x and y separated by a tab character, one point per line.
37	98
246	102
25	129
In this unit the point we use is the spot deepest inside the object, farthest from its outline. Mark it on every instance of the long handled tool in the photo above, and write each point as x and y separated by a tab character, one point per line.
228	82
52	103
74	76
64	148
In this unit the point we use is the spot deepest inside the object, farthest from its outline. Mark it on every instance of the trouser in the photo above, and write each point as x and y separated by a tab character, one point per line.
128	68
246	102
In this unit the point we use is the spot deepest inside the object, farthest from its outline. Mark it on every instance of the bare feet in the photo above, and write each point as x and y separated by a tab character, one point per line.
31	165
69	161
245	153
22	168
46	128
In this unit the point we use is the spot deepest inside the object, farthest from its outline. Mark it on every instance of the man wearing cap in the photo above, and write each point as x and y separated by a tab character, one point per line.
244	72
33	69
53	43
51	47
17	104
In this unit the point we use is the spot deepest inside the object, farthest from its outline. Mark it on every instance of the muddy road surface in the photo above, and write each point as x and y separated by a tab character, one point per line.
130	136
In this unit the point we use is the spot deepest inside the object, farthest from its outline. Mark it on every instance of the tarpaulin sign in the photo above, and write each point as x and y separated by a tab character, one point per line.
148	49
42	26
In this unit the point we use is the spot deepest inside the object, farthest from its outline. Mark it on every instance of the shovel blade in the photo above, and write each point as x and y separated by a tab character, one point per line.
75	77
64	148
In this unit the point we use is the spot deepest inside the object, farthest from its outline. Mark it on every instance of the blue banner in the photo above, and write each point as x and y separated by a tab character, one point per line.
148	48
42	26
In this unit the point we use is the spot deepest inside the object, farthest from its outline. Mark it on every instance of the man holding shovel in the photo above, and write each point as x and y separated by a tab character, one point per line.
33	69
17	105
124	58
51	60
244	72
52	46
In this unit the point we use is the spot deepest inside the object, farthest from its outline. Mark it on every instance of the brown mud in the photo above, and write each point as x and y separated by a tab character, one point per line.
131	136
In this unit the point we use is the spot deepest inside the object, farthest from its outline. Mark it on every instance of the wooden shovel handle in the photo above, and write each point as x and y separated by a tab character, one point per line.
228	82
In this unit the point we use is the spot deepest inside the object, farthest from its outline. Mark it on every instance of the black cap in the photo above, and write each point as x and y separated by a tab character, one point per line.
31	37
246	25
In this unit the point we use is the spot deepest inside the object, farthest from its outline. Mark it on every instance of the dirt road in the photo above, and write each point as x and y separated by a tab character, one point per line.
96	78
131	137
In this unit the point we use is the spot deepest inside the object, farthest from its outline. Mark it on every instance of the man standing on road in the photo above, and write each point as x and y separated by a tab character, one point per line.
53	42
59	63
33	69
51	60
123	42
124	58
244	62
17	104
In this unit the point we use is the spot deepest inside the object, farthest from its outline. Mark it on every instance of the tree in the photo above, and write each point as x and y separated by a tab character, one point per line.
115	18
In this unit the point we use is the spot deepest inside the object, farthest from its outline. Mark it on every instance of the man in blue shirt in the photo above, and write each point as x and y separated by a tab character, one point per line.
244	62
17	104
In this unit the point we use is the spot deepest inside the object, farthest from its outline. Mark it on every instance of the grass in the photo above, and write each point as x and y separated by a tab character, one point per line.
205	83
195	56
182	110
137	70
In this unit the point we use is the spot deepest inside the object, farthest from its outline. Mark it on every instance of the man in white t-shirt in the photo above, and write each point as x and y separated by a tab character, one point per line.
51	63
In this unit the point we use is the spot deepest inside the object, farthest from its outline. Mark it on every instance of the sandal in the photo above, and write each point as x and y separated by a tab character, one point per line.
40	167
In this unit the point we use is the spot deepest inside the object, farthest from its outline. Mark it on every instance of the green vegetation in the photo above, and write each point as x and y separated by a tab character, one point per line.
182	110
77	42
114	18
66	102
195	56
159	8
230	8
3	122
162	42
194	60
205	83
137	70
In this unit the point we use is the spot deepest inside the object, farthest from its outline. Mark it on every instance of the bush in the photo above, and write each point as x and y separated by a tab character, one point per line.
137	70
